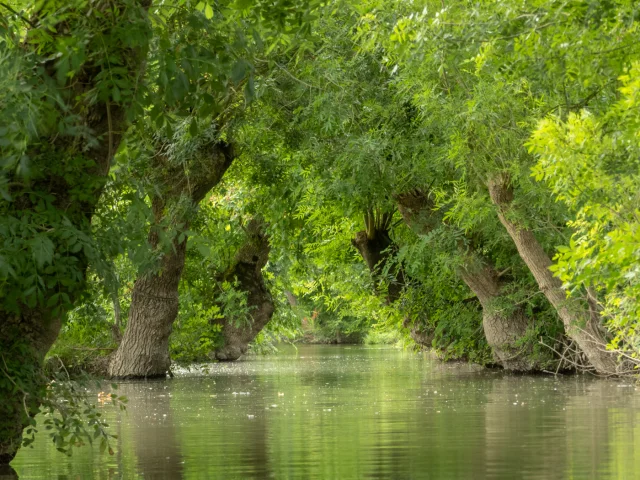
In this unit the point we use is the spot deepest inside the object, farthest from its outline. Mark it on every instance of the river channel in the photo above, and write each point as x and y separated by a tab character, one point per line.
340	412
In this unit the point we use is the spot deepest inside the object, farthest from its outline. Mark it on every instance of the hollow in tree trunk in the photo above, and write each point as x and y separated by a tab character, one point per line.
144	349
247	270
581	324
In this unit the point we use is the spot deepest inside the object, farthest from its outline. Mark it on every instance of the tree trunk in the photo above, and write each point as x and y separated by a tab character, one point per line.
116	328
374	244
291	298
502	329
70	173
144	349
247	270
418	333
24	341
580	324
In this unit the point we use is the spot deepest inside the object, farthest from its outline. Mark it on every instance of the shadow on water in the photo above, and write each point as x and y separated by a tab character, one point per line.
8	473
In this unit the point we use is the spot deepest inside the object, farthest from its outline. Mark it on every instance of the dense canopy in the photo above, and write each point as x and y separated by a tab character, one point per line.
182	181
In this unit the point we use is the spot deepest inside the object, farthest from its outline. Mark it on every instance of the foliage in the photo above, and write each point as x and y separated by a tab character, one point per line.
333	110
71	419
591	164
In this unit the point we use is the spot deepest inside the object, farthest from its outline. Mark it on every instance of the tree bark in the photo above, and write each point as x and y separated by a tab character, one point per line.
502	329
144	349
581	325
374	245
247	270
116	332
72	193
25	339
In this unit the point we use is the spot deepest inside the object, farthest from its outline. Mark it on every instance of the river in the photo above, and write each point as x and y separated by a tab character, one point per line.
339	412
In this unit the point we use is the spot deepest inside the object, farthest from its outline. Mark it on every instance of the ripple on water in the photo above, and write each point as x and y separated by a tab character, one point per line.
359	412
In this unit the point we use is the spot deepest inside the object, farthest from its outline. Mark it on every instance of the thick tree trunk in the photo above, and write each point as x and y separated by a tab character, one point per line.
247	270
502	329
24	342
581	325
144	350
70	173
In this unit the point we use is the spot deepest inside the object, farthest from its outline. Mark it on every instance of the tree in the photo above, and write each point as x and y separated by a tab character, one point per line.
186	177
504	328
590	164
495	74
246	270
71	74
185	167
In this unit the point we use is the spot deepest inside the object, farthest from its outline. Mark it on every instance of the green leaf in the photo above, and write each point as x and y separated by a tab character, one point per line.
239	70
41	249
208	12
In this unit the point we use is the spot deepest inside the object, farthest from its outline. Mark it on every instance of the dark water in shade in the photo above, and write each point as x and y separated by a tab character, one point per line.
339	412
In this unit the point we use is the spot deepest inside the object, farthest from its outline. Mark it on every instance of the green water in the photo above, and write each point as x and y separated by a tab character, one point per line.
339	412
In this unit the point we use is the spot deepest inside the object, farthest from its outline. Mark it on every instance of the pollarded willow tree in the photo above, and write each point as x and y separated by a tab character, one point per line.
184	176
224	280
496	73
508	327
73	77
219	57
591	164
70	75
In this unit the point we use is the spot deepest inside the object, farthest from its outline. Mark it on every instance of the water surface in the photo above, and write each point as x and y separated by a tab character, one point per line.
339	412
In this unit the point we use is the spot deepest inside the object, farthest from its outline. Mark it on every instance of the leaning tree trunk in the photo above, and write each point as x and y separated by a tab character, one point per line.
502	329
581	325
68	176
375	246
144	349
247	270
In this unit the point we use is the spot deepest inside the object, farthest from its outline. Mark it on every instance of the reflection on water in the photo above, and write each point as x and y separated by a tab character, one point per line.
358	412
